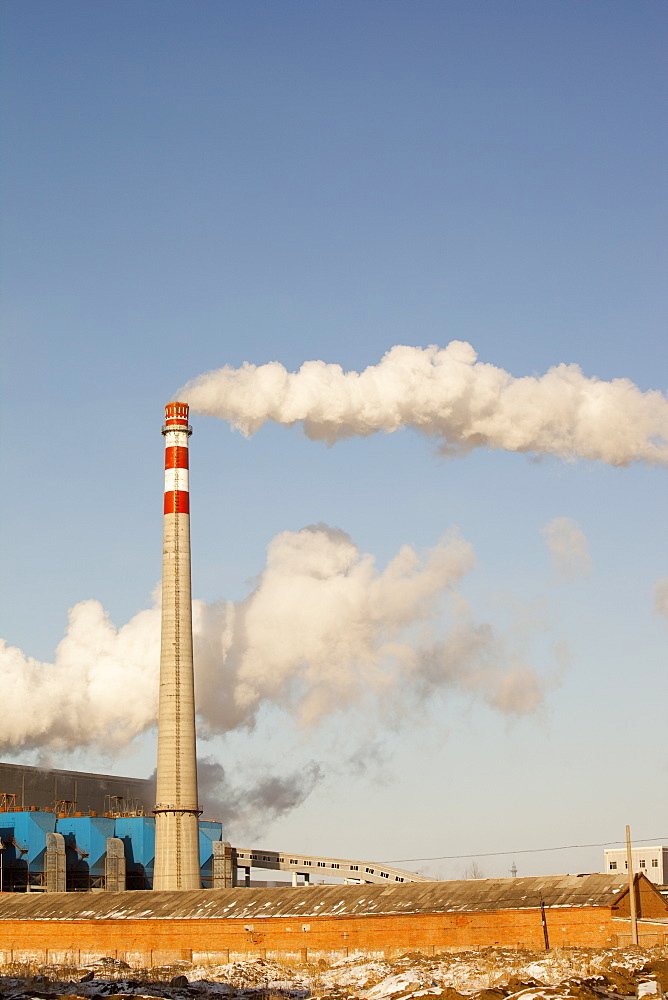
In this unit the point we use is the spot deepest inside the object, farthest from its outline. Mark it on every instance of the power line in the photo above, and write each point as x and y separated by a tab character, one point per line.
530	850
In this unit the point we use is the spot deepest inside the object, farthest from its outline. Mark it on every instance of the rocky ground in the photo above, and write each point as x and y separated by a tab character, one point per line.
492	974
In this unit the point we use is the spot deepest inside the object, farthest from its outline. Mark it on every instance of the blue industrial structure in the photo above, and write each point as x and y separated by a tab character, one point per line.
23	849
138	836
208	832
85	849
23	837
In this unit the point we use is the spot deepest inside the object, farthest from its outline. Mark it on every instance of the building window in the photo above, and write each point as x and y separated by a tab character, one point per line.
613	866
626	865
642	863
354	868
655	862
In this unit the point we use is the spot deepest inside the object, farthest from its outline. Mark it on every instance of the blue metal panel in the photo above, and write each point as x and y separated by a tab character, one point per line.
208	832
138	836
29	830
89	834
24	837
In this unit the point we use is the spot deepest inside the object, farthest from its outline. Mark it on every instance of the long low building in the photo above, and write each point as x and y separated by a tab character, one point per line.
308	923
83	808
308	865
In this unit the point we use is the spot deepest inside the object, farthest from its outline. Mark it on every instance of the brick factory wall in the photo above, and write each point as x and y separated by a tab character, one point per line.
648	902
650	933
305	924
157	941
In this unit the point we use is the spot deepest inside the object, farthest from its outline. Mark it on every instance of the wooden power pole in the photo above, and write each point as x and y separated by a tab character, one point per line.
632	888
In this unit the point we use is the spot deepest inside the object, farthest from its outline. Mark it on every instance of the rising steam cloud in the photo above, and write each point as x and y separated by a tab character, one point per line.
568	548
661	597
324	631
450	395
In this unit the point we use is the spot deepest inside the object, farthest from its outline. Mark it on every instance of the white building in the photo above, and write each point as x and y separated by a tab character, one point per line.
651	861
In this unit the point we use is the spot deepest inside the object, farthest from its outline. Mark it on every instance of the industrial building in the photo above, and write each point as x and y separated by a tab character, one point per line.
75	831
651	861
48	852
23	787
330	922
77	849
65	831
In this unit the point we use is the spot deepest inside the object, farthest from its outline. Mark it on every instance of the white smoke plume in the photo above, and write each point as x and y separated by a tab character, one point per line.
450	395
101	688
568	547
661	597
325	630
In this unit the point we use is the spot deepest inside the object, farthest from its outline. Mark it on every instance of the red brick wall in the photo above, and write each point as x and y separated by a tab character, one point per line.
649	902
151	941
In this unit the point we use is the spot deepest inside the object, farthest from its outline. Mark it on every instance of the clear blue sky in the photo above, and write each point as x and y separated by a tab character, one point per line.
188	185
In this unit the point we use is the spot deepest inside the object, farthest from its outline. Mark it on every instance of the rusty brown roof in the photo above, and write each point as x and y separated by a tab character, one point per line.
319	900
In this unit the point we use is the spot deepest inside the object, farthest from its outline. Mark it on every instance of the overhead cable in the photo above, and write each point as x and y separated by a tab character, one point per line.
528	850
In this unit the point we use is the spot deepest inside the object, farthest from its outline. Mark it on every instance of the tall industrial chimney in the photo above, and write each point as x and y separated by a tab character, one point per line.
176	811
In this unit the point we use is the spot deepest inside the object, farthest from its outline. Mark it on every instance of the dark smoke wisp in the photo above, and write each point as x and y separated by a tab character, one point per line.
247	810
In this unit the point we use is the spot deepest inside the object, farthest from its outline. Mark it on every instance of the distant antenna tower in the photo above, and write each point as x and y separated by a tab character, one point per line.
513	870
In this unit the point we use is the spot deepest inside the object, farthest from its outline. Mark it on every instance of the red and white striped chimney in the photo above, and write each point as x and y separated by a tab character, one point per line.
177	864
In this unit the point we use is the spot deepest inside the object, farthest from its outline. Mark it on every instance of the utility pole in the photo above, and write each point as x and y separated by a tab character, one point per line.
543	919
632	888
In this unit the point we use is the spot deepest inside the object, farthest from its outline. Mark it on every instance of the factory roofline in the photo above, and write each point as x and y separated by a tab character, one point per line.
327	901
70	774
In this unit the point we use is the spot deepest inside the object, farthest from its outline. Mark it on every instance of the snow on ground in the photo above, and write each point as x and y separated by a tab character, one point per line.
560	973
491	974
471	972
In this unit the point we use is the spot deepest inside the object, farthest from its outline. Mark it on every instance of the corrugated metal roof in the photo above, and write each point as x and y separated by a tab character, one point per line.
317	900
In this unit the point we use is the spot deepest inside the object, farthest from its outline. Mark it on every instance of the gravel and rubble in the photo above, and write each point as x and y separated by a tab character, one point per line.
489	974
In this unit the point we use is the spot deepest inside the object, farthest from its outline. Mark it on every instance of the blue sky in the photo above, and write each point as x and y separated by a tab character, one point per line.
192	185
